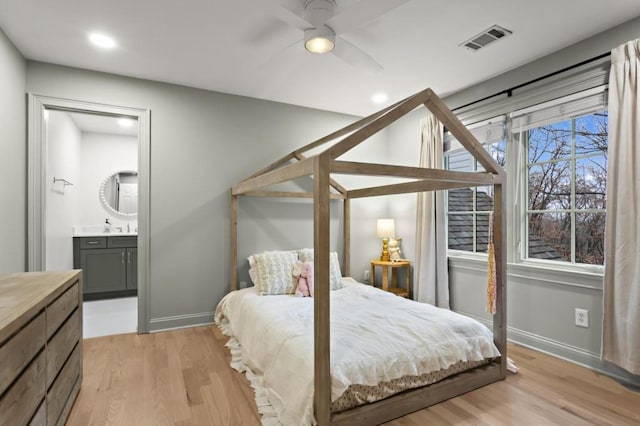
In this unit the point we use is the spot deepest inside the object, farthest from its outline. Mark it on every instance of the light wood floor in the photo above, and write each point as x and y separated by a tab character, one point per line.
183	377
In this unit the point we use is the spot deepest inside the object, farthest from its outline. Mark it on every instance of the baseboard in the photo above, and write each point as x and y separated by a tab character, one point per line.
564	351
180	321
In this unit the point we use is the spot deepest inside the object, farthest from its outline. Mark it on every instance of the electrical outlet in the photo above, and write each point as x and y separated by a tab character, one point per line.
367	276
582	318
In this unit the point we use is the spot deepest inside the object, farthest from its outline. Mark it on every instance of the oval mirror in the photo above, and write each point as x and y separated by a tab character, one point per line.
119	194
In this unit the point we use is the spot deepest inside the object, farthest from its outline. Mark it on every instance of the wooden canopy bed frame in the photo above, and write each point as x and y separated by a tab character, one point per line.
320	167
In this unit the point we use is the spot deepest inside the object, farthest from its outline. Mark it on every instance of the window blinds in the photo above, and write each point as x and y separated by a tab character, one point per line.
558	110
486	132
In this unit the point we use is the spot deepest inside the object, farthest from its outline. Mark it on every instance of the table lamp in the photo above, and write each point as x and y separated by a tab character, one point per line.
385	230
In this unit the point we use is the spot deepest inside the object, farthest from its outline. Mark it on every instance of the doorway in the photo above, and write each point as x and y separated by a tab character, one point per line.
63	210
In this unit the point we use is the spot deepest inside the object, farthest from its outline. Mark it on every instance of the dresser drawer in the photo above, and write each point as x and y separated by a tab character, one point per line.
21	400
60	309
40	345
61	388
122	242
61	344
93	242
40	418
20	349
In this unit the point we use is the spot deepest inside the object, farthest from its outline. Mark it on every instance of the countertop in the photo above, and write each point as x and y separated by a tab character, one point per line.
106	234
117	230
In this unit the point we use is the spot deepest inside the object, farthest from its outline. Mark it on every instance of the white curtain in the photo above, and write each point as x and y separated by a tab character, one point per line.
621	322
431	280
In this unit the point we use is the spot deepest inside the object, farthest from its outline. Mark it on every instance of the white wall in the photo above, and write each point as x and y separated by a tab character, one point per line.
102	155
62	202
84	159
13	158
201	144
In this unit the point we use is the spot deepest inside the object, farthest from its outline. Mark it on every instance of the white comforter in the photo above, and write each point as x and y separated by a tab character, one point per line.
375	336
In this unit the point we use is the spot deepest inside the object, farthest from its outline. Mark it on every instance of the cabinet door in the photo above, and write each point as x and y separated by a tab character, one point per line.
103	270
132	269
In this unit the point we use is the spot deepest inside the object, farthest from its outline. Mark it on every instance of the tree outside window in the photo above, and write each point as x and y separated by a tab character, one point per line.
566	175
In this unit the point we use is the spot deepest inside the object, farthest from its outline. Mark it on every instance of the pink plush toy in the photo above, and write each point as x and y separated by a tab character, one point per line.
303	271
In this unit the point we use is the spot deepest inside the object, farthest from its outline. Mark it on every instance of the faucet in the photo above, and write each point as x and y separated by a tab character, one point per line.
128	228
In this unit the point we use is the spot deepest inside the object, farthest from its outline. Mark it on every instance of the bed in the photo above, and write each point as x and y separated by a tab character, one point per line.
272	336
322	167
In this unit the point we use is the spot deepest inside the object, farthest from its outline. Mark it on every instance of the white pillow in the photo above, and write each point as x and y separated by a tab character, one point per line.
253	272
335	276
274	272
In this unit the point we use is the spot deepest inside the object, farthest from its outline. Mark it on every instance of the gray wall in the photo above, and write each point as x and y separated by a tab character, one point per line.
584	50
13	157
202	143
541	302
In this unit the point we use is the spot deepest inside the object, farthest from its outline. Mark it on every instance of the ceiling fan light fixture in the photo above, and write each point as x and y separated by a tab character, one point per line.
319	40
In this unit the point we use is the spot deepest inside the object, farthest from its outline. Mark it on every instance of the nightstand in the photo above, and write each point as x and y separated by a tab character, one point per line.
394	266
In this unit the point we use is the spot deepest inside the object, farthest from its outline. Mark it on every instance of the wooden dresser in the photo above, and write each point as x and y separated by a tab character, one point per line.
40	346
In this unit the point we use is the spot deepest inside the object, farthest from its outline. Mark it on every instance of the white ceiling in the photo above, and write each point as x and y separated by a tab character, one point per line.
97	123
237	47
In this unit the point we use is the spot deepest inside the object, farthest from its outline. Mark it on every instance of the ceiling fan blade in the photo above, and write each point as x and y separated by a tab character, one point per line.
276	57
291	15
354	56
268	30
361	13
289	11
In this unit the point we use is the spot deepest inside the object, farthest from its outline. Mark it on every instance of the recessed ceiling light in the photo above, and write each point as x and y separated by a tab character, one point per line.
101	40
125	122
379	98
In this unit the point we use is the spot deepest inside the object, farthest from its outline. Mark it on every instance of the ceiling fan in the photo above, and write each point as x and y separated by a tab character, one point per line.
322	26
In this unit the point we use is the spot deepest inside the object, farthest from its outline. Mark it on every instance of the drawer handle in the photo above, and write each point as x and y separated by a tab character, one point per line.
123	258
93	242
128	257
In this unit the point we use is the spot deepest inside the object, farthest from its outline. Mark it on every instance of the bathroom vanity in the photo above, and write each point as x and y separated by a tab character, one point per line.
109	264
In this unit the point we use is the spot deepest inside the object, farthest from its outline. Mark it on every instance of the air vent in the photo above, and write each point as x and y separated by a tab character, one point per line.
485	38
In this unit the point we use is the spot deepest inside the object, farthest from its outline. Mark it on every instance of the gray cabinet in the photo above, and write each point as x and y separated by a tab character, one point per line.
132	269
104	270
109	265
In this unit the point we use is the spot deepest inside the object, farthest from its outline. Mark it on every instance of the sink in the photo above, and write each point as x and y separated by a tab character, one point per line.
99	231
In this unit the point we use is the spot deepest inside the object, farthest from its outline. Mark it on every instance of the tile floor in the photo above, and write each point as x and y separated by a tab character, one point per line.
111	316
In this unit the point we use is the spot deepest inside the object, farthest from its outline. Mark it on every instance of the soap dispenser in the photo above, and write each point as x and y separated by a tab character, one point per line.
107	225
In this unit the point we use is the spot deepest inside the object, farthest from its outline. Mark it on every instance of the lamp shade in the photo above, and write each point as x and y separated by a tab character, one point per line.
386	228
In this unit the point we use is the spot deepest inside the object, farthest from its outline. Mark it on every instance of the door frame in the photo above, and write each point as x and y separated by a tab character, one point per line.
36	176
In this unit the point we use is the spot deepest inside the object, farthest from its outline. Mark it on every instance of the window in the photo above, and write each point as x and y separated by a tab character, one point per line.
469	208
557	170
565	145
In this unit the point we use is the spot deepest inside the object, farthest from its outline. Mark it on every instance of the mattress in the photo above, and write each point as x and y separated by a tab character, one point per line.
380	344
